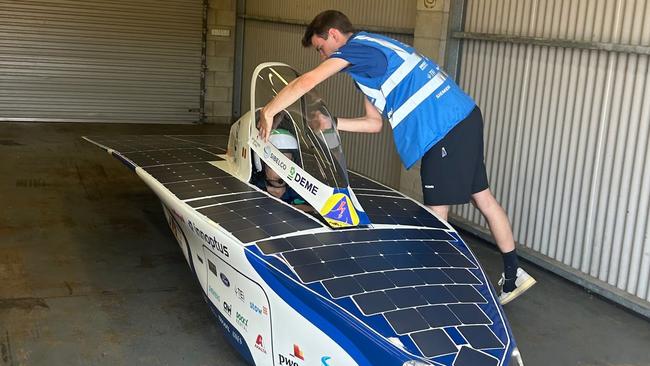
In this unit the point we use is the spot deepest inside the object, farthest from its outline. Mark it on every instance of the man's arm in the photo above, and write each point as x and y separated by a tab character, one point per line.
370	123
296	89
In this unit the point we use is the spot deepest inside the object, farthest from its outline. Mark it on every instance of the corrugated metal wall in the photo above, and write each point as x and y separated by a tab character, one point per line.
100	61
373	155
567	131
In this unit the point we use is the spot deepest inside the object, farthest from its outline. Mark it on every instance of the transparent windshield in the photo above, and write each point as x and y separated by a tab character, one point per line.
310	122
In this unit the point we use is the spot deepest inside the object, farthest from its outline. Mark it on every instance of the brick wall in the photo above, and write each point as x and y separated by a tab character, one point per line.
220	59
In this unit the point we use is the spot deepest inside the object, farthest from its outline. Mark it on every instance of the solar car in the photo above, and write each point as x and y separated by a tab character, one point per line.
359	274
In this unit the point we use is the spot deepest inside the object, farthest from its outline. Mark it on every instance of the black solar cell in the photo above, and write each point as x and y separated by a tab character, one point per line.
434	342
480	336
338	237
373	302
250	235
304	241
303	223
461	275
438	316
252	212
416	247
374	281
344	267
373	263
274	229
362	235
415	233
266	219
402	260
331	252
433	276
405	297
236	224
431	260
404	277
301	257
275	246
361	249
389	247
457	260
440	235
359	181
430	221
406	321
436	294
222	212
382	219
391	234
313	272
406	220
344	286
469	314
466	293
471	357
440	246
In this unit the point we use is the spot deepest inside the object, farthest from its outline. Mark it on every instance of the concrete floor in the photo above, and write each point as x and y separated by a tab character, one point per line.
91	275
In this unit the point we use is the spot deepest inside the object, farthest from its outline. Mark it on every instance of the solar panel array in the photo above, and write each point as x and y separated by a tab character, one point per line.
416	281
180	163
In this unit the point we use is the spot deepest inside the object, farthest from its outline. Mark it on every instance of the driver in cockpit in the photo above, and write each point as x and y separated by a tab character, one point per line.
267	179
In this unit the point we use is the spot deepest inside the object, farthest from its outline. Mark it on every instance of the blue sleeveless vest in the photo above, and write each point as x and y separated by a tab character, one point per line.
419	100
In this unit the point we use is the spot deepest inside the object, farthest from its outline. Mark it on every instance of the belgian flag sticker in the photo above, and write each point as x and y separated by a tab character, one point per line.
339	211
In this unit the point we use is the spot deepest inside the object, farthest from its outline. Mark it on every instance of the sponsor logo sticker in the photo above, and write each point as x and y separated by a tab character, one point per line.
241	320
214	294
297	352
302	181
210	240
227	308
285	360
240	294
258	310
259	344
224	279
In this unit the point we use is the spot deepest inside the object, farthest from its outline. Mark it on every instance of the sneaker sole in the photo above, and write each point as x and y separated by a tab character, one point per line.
519	290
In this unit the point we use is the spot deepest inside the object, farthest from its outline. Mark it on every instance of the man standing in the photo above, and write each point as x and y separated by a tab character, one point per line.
431	117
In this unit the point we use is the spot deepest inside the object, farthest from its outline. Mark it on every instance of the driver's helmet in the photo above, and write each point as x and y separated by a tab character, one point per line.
285	141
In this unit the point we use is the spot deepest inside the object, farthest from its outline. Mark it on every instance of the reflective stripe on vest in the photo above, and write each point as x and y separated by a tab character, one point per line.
423	93
379	100
396	77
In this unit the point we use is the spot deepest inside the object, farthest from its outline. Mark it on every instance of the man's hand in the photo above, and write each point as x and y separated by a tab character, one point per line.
319	122
265	124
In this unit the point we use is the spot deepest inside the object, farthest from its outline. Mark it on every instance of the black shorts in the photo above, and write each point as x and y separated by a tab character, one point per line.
454	169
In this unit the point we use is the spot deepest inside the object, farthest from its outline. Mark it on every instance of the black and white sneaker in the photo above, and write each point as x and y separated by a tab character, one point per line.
523	282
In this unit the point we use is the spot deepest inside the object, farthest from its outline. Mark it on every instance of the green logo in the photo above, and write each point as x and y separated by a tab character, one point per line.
292	172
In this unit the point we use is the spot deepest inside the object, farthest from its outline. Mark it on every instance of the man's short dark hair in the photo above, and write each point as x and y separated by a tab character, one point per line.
322	24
